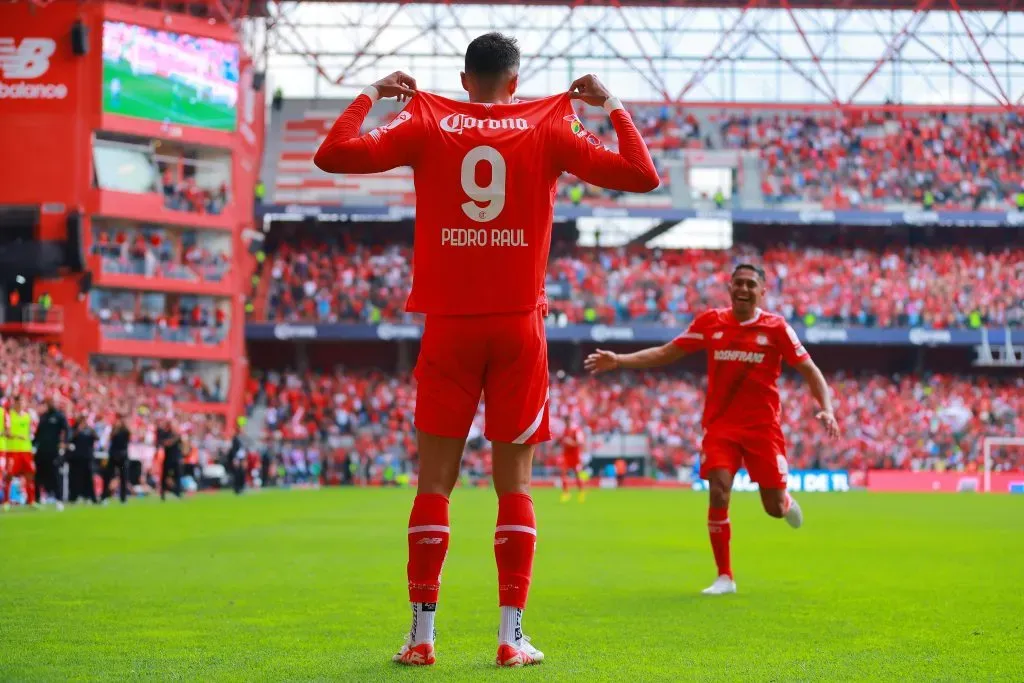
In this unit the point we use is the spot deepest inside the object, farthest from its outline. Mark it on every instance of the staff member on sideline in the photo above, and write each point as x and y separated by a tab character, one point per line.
237	462
117	459
50	440
16	427
169	439
81	457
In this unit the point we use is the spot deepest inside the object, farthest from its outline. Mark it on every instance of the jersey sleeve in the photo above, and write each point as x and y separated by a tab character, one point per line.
695	338
386	147
581	153
793	351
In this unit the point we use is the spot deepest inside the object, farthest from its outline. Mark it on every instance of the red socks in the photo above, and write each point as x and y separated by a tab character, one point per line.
720	533
515	541
428	545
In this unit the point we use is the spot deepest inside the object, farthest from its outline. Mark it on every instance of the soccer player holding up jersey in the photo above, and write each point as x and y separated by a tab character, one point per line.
746	347
485	174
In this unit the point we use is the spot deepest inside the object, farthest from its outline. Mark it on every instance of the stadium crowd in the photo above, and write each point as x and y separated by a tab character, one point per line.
158	252
930	287
855	159
157	316
97	395
906	422
183	192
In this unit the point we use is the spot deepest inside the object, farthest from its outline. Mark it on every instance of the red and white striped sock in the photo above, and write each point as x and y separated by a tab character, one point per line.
515	542
428	545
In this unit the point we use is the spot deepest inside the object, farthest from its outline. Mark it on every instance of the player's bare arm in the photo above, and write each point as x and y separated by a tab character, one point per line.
605	361
629	170
344	151
819	389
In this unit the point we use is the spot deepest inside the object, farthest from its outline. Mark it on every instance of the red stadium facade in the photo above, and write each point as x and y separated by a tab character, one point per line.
144	201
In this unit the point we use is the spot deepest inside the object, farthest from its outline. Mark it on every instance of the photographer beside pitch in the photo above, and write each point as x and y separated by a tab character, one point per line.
746	347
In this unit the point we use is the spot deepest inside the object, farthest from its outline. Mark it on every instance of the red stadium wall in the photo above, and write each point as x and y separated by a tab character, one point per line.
46	138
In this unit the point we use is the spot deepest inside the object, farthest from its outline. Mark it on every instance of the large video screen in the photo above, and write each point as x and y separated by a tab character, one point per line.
169	77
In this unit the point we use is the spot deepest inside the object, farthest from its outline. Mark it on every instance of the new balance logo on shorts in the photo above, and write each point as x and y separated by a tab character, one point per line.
499	541
429	541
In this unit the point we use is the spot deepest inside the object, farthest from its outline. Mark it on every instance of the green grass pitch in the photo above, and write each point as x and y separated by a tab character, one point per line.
151	97
305	585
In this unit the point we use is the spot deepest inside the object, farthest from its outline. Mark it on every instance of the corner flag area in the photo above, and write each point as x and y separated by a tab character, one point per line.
303	585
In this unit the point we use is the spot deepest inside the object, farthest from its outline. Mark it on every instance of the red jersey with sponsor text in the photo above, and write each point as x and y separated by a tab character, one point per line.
485	177
744	365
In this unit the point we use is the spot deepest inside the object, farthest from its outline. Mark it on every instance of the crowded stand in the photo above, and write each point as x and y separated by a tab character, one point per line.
863	159
174	380
928	422
152	251
839	160
149	316
39	374
948	287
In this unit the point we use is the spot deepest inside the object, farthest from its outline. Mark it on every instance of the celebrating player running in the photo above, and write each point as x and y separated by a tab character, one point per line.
746	347
485	174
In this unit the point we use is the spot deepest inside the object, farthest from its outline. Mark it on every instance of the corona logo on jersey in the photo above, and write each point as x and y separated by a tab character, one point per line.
741	356
29	59
456	123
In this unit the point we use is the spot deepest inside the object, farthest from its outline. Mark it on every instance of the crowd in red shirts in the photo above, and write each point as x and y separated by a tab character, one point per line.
182	191
854	159
859	159
157	252
944	287
184	319
904	422
38	373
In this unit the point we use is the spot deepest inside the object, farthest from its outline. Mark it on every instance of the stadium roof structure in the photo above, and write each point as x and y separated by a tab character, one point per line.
749	52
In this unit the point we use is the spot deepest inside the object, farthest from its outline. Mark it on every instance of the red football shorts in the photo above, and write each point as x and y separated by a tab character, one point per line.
20	464
504	357
762	453
571	460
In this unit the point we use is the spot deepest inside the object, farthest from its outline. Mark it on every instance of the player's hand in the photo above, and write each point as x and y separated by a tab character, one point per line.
399	85
601	361
828	421
590	90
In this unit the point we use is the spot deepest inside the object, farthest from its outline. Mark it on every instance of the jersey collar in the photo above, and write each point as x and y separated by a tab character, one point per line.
753	319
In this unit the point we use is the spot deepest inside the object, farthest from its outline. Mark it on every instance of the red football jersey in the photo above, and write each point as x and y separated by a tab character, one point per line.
744	365
572	443
485	179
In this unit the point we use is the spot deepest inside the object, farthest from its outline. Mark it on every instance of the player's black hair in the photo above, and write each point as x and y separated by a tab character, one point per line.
492	54
751	266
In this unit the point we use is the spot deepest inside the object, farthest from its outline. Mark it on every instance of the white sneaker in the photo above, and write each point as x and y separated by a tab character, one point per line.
523	654
722	585
60	506
794	515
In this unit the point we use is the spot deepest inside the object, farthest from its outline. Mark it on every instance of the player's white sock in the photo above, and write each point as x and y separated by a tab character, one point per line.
422	630
794	516
511	628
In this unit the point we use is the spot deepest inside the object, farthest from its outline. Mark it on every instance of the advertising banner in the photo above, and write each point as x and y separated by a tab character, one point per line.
943	482
810	481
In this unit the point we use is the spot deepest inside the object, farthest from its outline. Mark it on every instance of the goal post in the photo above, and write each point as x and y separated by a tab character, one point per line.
987	444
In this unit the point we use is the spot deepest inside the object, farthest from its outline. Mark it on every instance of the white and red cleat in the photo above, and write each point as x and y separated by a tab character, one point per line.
523	654
722	585
794	516
410	654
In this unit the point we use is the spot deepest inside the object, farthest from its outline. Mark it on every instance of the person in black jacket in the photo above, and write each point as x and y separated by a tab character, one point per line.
81	457
50	440
237	458
117	459
169	439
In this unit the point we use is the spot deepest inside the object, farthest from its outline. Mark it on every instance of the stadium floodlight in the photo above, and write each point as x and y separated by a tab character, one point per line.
987	443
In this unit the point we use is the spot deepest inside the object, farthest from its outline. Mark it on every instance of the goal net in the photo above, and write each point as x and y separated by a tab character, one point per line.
1003	464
